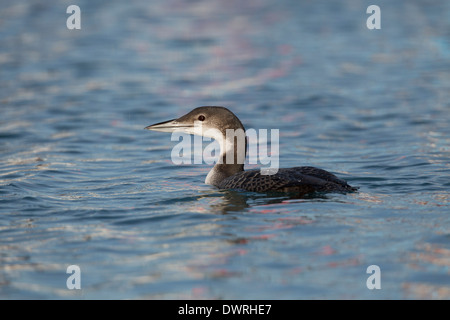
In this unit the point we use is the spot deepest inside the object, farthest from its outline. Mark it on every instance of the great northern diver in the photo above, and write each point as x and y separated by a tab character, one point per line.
231	175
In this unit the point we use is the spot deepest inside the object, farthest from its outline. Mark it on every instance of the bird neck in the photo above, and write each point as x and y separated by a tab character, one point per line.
232	157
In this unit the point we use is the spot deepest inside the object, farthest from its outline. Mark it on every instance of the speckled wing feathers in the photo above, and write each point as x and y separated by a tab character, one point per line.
297	179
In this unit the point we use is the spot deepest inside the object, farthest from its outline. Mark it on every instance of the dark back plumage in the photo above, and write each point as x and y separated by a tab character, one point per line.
298	179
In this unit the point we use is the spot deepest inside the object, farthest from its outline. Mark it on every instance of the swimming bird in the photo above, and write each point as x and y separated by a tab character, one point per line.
229	173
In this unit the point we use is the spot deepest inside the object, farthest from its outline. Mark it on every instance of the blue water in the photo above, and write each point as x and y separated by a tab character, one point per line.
81	182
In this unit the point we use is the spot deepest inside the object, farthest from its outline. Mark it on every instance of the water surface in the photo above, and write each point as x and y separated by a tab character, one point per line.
81	182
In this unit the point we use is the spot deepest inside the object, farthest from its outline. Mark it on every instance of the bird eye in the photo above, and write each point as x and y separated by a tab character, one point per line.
201	117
